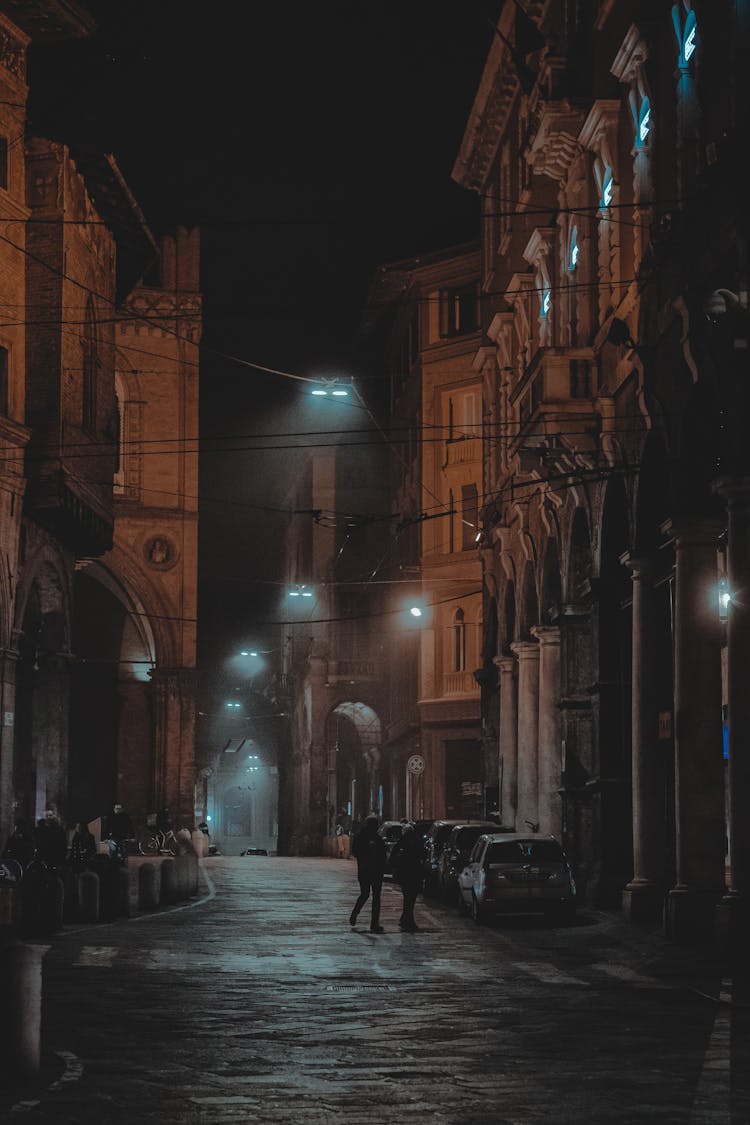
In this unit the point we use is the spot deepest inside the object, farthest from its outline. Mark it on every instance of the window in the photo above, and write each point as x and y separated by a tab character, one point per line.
4	396
459	642
458	310
3	162
469	516
464	416
451	522
573	252
90	369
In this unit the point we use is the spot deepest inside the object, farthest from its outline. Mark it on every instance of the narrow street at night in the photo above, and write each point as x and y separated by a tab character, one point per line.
256	1002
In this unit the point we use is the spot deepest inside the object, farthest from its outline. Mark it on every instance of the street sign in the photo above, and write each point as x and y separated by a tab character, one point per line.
11	872
415	763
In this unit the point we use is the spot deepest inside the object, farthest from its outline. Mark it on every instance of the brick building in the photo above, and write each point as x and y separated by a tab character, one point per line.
98	425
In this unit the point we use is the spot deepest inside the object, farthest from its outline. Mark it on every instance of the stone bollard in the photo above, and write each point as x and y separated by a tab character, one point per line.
169	880
181	877
199	841
148	886
21	994
88	896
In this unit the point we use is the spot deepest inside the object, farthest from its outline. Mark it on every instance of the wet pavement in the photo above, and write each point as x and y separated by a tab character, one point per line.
256	1002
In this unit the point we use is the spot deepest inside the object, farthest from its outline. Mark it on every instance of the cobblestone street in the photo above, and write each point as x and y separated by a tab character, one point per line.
256	1002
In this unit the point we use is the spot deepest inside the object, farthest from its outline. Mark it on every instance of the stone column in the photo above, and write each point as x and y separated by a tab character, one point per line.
642	897
174	769
734	910
528	733
550	746
699	766
508	740
8	660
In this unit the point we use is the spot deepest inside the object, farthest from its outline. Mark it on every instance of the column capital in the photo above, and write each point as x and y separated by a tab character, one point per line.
735	490
640	566
546	634
506	664
526	650
699	532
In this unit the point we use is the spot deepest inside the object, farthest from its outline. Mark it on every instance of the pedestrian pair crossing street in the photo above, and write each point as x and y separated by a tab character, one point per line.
257	1002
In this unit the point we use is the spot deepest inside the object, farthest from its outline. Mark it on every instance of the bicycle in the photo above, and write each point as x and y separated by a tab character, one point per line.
159	843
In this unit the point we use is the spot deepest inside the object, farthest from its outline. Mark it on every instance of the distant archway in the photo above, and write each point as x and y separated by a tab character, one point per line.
353	738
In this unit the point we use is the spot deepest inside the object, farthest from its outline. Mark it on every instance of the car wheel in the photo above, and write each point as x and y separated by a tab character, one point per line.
477	912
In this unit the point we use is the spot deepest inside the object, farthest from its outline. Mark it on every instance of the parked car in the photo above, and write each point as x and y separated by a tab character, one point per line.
517	873
391	831
435	841
456	852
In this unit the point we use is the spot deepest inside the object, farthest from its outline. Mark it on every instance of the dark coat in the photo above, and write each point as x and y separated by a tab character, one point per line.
407	859
368	849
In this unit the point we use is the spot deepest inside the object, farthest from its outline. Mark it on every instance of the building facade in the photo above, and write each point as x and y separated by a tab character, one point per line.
603	141
98	521
424	315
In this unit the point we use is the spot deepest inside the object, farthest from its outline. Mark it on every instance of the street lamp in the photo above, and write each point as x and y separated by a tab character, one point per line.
333	387
300	592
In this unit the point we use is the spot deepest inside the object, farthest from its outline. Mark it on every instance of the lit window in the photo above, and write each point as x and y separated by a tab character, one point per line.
607	189
546	302
573	256
644	123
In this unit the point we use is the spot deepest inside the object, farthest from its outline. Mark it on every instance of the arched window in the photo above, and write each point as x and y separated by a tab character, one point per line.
90	369
459	641
573	250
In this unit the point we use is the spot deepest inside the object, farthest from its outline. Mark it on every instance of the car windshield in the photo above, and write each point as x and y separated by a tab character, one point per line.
442	832
391	831
525	851
465	838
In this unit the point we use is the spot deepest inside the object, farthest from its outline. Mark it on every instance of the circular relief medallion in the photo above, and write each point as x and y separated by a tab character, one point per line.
160	552
415	763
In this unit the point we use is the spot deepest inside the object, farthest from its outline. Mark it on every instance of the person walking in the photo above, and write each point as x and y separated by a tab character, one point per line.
368	848
407	862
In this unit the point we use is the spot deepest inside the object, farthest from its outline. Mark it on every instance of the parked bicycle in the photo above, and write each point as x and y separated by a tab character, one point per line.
159	843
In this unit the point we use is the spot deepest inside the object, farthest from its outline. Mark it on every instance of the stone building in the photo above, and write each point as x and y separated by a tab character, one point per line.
98	506
423	314
334	633
604	142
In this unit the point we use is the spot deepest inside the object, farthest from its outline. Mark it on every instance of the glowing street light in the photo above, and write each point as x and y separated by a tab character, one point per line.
332	387
300	592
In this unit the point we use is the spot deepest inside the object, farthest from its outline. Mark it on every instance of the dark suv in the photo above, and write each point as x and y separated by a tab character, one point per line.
435	841
455	855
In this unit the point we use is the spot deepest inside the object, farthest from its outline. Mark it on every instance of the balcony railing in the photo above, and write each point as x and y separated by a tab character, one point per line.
459	683
352	669
464	450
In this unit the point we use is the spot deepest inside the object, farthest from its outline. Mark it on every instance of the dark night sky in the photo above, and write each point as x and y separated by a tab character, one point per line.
310	142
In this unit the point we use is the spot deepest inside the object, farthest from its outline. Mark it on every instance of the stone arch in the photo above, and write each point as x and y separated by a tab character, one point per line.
354	738
652	494
509	616
529	606
40	736
614	738
580	558
551	601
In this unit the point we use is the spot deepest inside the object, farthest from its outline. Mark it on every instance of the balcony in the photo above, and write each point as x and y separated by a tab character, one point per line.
459	683
555	397
463	450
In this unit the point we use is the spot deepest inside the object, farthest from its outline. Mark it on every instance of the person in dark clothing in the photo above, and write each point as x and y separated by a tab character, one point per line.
368	848
20	844
119	829
51	841
82	846
407	862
